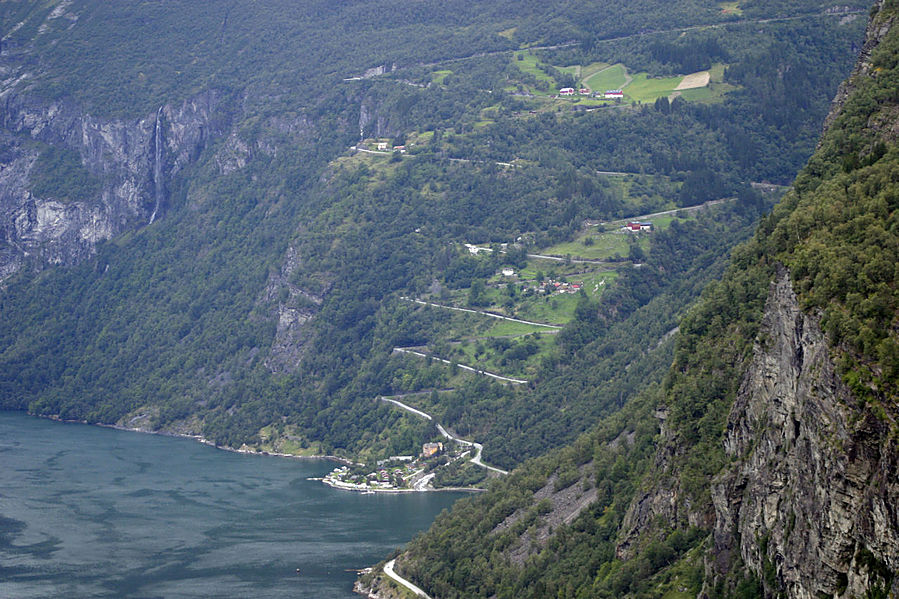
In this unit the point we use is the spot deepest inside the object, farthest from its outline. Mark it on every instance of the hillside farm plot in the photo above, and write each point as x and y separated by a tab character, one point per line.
598	246
438	77
527	63
507	328
557	308
714	90
730	8
694	80
648	89
612	77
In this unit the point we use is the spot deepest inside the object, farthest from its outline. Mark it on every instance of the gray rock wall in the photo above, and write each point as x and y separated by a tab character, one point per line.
133	159
811	500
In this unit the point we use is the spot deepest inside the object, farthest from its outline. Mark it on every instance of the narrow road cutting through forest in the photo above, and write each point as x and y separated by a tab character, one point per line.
476	460
482	313
499	377
389	571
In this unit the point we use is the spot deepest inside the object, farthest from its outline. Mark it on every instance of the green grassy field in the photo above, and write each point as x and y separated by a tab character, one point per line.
716	89
646	89
716	73
509	34
599	77
528	64
663	222
505	328
730	8
594	282
605	245
592	69
613	77
574	70
558	309
439	76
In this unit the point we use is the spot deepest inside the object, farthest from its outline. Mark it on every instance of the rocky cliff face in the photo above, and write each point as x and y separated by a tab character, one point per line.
811	502
294	309
135	161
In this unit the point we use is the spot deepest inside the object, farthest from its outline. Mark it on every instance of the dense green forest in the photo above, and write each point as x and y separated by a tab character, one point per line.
174	326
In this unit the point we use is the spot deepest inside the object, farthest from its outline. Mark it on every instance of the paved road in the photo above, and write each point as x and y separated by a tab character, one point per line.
572	260
405	407
476	460
620	38
422	483
616	173
406	155
666	212
539	257
389	571
726	24
469	57
404	350
483	313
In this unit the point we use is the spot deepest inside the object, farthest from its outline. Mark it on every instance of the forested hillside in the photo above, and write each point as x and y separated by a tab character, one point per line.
765	462
216	220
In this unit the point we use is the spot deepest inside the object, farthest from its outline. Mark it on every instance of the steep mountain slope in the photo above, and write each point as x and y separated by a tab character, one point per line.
766	464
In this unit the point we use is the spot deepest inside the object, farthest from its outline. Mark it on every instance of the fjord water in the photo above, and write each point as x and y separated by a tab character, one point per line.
95	512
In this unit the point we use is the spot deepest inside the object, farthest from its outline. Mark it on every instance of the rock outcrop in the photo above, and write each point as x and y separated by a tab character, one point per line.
810	501
134	161
294	309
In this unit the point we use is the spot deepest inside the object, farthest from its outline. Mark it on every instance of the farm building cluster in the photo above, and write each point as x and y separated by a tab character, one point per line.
548	286
636	227
551	286
609	94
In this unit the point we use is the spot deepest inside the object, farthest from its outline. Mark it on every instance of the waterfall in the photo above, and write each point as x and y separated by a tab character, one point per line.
158	183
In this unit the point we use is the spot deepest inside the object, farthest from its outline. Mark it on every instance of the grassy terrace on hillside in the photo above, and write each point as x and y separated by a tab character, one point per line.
610	241
647	89
594	246
611	77
527	62
598	77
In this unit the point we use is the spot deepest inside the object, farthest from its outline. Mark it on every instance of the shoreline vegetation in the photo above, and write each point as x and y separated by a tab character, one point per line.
203	440
326	480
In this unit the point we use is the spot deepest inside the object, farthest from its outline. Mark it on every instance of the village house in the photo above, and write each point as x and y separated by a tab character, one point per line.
429	450
508	272
475	250
638	226
382	145
566	91
584	91
613	94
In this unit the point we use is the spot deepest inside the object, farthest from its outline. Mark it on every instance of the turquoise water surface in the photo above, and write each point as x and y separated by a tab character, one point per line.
95	512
